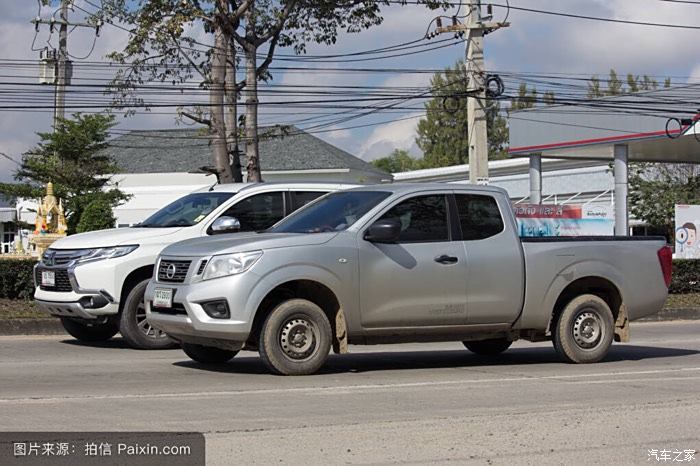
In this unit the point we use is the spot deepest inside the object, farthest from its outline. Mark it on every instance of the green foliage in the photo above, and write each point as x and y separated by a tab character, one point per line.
399	161
16	280
686	276
655	189
96	216
614	84
70	158
526	98
616	87
442	134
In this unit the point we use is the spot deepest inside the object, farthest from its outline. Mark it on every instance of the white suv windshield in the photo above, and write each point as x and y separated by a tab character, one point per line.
333	212
186	211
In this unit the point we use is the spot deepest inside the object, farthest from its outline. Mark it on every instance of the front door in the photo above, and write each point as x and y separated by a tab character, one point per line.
419	280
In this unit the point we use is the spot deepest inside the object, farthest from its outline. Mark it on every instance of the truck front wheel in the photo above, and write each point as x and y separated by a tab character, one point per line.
85	330
295	338
134	327
488	347
584	331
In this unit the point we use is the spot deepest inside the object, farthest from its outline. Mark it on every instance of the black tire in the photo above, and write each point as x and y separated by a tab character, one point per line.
136	330
295	338
488	347
84	330
585	330
208	354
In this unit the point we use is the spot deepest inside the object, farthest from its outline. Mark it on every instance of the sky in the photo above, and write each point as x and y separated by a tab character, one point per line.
532	43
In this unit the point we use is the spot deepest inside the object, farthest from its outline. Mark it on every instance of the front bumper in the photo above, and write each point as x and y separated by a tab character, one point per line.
68	298
187	321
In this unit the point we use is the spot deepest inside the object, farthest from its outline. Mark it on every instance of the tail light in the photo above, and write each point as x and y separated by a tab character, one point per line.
666	261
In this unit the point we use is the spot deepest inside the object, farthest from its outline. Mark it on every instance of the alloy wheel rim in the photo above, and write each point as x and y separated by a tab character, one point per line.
145	327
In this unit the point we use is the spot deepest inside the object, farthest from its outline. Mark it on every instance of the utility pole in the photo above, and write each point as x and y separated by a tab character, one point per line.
475	29
62	71
56	67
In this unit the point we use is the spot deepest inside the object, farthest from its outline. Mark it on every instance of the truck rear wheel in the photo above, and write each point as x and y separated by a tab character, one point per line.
208	354
136	330
87	331
584	331
488	347
295	338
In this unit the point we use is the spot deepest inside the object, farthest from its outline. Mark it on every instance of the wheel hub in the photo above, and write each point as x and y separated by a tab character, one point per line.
588	330
298	338
145	327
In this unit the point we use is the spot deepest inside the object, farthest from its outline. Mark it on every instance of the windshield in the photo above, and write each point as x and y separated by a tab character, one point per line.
333	212
186	211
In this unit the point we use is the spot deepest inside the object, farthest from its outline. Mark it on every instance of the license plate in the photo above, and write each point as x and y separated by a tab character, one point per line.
162	297
48	278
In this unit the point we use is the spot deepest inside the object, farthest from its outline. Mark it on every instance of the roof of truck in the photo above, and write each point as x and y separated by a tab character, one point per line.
238	187
400	188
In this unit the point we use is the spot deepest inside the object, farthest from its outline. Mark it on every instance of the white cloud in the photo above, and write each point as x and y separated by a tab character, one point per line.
385	138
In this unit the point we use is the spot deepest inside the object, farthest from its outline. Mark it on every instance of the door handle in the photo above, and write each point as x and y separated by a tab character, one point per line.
445	259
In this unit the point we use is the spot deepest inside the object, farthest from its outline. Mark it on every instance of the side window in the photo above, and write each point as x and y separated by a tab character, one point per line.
301	198
479	216
258	212
423	219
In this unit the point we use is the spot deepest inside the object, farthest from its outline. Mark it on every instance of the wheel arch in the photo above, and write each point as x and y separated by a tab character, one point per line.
132	279
311	290
602	287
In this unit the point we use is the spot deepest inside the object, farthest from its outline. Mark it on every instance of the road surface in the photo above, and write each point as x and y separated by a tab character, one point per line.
413	403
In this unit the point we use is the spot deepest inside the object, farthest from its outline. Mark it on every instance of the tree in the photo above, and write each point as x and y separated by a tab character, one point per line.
614	84
163	47
442	134
594	90
655	189
96	216
398	161
526	98
70	158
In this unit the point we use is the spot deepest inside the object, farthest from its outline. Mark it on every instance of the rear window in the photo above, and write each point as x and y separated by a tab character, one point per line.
479	216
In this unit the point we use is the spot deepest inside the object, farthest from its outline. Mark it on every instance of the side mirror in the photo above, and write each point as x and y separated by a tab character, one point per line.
383	231
225	225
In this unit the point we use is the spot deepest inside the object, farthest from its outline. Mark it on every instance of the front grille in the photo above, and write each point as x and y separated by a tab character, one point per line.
177	309
64	256
173	271
62	282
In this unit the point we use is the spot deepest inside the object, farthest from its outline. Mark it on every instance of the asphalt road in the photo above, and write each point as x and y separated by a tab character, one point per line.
384	404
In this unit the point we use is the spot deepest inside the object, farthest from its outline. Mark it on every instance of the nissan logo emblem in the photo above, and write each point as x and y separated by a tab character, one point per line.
170	271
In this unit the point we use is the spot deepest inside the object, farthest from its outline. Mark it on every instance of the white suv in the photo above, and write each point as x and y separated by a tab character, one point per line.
95	281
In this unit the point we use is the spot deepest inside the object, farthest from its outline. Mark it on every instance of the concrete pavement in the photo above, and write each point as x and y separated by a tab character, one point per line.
384	404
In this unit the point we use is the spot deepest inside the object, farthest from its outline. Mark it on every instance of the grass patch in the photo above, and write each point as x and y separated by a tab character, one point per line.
19	309
683	300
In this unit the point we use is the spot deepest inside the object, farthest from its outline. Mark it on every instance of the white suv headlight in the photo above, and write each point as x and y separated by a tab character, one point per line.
230	264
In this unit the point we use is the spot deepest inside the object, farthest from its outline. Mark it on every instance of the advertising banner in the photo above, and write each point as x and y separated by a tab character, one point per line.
687	223
564	220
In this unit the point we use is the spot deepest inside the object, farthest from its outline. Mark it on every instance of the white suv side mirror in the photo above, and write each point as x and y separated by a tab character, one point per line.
225	225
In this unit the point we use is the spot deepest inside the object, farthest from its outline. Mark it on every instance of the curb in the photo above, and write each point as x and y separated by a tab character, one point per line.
678	313
31	327
52	326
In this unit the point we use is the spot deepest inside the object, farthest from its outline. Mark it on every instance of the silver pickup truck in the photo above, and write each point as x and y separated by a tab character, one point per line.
402	263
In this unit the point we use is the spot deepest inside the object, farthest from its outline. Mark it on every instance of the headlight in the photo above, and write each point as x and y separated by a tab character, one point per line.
230	264
109	253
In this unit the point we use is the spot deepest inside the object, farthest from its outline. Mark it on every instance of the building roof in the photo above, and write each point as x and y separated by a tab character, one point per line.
184	150
647	122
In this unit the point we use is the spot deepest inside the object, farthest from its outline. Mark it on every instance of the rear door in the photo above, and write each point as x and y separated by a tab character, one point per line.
495	267
420	280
